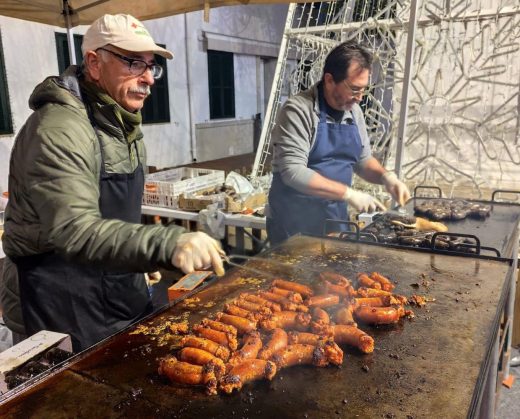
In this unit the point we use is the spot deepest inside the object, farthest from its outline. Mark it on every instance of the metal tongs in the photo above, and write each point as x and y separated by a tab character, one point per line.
285	265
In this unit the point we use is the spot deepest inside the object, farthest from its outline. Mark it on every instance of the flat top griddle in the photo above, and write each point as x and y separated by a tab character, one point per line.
498	231
432	366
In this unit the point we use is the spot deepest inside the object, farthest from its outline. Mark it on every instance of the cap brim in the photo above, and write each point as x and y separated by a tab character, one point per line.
143	47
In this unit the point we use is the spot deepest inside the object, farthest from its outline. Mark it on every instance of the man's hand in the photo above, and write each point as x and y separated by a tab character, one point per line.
396	188
361	201
198	251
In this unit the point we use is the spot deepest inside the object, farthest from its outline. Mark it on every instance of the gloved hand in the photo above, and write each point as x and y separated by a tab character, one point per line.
362	201
396	188
152	277
198	251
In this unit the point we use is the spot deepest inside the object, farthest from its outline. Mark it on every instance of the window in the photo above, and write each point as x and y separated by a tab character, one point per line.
6	125
221	80
157	106
62	48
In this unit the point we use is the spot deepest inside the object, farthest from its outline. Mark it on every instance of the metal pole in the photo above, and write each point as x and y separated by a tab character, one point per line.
408	70
262	146
70	35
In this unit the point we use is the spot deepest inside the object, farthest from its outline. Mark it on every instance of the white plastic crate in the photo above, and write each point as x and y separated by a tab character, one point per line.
162	189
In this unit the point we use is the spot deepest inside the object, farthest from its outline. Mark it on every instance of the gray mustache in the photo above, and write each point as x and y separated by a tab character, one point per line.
142	90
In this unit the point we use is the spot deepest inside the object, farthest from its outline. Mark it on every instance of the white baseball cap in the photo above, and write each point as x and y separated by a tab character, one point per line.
122	31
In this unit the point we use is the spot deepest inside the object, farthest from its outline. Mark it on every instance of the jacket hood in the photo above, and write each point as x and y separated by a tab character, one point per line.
60	90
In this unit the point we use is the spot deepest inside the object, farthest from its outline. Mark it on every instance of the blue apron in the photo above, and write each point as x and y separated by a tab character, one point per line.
86	301
335	152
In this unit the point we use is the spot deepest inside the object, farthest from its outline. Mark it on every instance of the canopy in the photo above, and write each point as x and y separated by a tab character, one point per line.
84	12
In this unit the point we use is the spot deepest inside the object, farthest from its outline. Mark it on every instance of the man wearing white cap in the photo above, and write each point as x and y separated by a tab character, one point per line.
75	245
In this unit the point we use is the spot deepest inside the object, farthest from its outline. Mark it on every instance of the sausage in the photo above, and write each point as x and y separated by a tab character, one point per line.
378	315
365	281
277	341
221	327
332	351
287	320
237	311
320	316
301	289
382	301
334	278
301	354
222	338
262	301
289	295
296	354
250	348
207	345
253	307
386	284
345	315
284	302
185	373
371	292
200	357
326	300
351	335
327	287
239	323
304	338
246	371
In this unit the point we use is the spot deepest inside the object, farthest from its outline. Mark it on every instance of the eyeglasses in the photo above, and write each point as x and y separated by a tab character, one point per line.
138	67
356	91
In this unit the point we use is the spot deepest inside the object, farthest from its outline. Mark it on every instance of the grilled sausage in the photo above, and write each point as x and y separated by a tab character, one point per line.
250	348
379	315
207	345
381	301
304	290
371	292
222	338
365	281
300	354
237	311
345	315
253	307
334	278
304	338
353	336
246	371
277	341
185	373
200	357
262	301
284	302
221	327
289	295
287	320
239	323
386	284
327	287
326	300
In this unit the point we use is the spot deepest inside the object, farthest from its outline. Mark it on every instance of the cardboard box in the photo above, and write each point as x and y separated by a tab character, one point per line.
251	202
225	202
31	348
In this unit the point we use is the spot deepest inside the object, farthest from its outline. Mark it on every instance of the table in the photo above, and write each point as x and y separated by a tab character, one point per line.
240	222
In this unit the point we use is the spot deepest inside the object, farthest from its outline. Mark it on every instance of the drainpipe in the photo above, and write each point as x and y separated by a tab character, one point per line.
193	140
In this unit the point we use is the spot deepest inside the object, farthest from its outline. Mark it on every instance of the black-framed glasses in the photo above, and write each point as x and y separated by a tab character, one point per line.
356	91
138	67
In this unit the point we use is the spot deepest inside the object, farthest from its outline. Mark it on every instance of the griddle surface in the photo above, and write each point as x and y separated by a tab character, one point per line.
431	366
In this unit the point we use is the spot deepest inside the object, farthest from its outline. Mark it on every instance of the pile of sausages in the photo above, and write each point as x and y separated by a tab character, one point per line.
290	324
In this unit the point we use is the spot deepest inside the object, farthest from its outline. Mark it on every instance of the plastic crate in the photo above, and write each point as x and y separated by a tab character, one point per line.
162	189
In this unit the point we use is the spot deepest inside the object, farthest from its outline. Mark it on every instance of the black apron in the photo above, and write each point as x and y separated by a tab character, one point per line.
86	301
335	152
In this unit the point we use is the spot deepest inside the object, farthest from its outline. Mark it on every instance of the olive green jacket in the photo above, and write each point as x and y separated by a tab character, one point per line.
54	192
